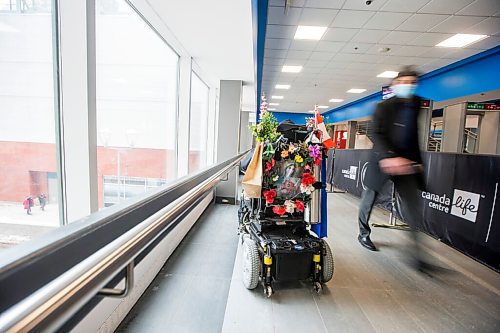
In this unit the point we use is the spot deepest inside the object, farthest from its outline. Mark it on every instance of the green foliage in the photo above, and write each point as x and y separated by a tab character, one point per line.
267	129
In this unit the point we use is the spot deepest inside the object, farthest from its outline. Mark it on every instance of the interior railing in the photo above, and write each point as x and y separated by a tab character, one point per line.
47	281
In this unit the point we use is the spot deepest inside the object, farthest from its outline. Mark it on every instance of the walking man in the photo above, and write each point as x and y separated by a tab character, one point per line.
395	154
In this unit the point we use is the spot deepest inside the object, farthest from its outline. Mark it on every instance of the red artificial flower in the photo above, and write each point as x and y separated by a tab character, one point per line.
270	165
317	161
280	210
307	179
299	205
270	195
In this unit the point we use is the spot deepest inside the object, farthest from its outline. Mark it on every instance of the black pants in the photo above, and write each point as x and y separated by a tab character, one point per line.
407	188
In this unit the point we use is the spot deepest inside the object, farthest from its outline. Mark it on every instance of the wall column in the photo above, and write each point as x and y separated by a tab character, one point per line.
453	128
351	134
228	138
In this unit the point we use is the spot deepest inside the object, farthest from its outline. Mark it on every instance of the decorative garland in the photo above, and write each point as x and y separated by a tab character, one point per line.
303	157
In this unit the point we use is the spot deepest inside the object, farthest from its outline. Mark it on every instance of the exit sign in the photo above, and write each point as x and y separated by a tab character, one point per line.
483	106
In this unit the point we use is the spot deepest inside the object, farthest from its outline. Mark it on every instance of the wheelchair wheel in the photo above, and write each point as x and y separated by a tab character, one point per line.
327	269
251	264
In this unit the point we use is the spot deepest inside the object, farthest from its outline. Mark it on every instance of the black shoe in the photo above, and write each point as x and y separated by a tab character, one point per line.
366	242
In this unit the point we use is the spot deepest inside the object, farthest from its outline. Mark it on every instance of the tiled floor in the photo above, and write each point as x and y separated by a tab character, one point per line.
200	289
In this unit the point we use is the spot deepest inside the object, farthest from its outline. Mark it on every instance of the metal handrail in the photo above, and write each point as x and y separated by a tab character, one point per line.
51	306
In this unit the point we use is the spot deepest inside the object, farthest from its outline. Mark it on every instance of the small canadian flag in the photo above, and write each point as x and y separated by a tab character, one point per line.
320	125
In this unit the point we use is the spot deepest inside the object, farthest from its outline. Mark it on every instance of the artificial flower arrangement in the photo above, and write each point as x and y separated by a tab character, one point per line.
288	178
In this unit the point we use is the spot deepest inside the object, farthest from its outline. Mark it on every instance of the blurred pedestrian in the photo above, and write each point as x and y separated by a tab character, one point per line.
42	199
28	203
395	155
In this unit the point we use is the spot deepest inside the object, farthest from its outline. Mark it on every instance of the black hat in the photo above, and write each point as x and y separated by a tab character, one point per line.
408	71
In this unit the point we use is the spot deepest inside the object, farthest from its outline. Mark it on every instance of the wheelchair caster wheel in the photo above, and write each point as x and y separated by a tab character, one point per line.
268	290
318	287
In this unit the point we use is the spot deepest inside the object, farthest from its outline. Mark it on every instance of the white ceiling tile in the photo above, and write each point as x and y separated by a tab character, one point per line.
316	63
270	53
339	34
399	37
272	68
462	53
418	61
409	50
294	54
273	61
481	8
317	17
434	52
438	63
276	15
363	66
486	43
375	49
305	45
403	6
356	47
392	60
457	24
278	44
351	19
422	22
281	3
361	5
489	26
369	36
430	39
444	7
386	20
312	70
280	31
370	58
294	62
327	56
346	57
329	46
335	4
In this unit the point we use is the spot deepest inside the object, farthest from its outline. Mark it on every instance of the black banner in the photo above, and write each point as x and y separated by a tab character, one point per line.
460	204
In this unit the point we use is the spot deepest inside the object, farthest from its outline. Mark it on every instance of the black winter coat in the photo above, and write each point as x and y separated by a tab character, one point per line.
387	129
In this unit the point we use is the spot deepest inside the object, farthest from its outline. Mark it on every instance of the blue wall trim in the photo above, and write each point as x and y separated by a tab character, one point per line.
259	19
297	118
476	74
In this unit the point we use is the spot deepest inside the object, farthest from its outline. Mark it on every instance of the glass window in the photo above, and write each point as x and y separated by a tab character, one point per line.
137	75
198	124
29	190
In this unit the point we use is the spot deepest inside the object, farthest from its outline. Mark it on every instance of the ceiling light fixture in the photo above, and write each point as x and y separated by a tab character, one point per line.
336	100
291	69
271	109
388	74
274	104
356	91
276	97
282	86
309	32
461	40
323	106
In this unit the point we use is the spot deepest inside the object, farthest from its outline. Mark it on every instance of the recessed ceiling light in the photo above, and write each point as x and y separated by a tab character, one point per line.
388	74
309	32
356	91
282	86
323	106
291	69
271	109
274	104
461	40
276	97
311	111
336	100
